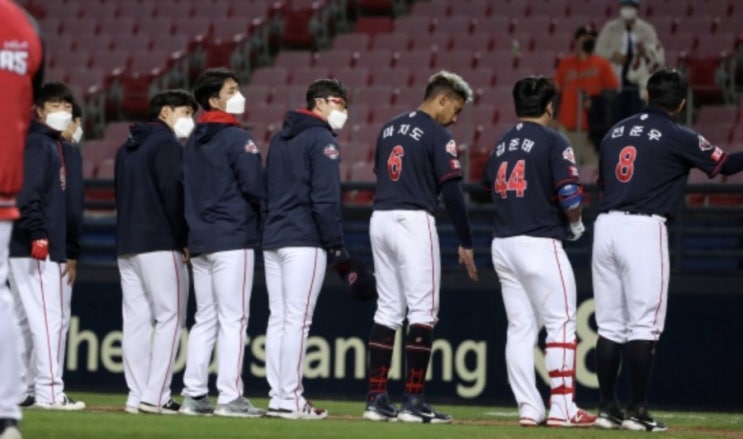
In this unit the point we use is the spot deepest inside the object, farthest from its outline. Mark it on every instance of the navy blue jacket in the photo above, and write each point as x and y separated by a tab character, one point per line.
223	176
303	185
149	191
42	197
74	198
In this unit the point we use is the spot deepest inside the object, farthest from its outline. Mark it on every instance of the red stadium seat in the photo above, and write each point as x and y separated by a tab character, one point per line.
272	76
116	25
289	97
134	44
374	25
358	114
471	8
460	62
398	76
352	77
383	114
408	96
307	75
142	11
414	25
394	41
437	41
293	59
372	60
156	25
456	25
352	41
256	94
479	42
373	96
333	59
415	59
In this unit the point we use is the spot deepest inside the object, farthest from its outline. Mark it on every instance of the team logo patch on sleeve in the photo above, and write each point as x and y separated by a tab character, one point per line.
451	147
455	164
717	154
250	147
569	155
573	171
331	151
704	144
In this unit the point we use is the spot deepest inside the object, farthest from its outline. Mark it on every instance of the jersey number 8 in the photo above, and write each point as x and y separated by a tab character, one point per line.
516	181
626	166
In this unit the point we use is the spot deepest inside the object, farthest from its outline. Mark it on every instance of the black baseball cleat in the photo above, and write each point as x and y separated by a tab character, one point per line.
379	408
640	420
610	417
28	402
416	409
9	429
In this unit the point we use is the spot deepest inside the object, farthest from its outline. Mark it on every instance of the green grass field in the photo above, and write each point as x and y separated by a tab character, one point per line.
105	418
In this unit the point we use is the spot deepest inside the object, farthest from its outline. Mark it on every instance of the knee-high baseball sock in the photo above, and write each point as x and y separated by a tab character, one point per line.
381	343
560	361
641	356
608	362
417	356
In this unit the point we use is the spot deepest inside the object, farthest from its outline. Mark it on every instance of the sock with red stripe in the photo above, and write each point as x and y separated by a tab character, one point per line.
381	343
417	356
640	356
560	361
608	362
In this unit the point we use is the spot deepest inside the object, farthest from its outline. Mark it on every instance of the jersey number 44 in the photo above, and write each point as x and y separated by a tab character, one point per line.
515	182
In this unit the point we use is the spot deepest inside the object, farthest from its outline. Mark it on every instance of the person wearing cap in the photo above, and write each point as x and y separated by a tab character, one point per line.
625	41
585	83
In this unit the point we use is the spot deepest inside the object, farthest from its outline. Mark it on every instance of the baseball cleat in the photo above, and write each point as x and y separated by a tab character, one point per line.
308	413
9	429
530	422
131	410
581	418
65	404
28	402
640	420
196	406
239	408
610	417
169	408
379	408
416	409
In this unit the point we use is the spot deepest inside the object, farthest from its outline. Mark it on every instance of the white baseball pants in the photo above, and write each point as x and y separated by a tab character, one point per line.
538	289
25	344
223	282
154	290
10	389
407	265
630	269
38	284
294	277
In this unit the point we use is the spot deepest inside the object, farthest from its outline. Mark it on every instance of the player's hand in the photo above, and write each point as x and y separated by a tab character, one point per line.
40	249
70	270
467	257
339	259
186	255
576	230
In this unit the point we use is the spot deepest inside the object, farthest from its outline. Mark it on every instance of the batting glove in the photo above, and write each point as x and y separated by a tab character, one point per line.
40	249
576	230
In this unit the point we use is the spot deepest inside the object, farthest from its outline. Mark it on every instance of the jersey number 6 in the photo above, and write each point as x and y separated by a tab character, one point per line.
394	163
516	181
626	166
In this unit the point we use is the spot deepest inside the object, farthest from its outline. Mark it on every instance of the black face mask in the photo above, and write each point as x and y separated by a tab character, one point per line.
588	46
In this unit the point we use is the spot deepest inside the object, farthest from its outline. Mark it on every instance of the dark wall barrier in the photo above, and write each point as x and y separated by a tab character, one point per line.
698	363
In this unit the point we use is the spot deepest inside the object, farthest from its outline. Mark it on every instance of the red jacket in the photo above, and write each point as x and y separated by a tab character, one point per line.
20	60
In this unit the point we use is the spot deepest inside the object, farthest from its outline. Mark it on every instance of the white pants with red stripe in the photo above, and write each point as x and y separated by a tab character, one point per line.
630	269
10	390
154	290
294	277
223	282
407	265
538	289
38	285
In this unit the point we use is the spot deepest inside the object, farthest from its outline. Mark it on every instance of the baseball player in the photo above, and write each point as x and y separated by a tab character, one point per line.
223	177
303	221
643	168
151	251
19	40
534	185
415	160
38	244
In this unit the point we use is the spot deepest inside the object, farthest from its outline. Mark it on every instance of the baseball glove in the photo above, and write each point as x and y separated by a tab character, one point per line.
359	280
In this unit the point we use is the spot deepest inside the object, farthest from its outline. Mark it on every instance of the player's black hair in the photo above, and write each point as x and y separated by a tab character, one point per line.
209	83
667	88
325	88
77	111
447	82
532	94
54	91
172	99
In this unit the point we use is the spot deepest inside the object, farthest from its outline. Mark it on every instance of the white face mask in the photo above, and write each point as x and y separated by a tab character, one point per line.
628	13
78	134
235	104
336	119
183	127
58	120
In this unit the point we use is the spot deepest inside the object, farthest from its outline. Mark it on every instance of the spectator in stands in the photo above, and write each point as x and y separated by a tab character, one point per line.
586	83
630	43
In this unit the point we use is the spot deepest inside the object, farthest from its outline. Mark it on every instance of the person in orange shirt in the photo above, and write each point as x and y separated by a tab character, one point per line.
584	82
